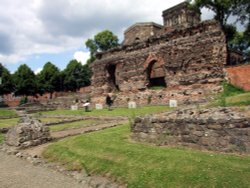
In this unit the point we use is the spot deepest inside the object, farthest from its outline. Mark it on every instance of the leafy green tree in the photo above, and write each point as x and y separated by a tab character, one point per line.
241	9
49	79
7	84
102	41
76	75
239	42
221	8
25	81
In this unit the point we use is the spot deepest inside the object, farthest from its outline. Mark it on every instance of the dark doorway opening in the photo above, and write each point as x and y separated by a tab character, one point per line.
156	75
112	76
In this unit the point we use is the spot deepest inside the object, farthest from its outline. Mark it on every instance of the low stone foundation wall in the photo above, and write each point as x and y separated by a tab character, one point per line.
218	129
196	93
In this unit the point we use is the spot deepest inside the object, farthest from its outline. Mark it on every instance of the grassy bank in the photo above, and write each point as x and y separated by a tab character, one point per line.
110	153
115	112
1	138
231	96
72	125
7	113
8	122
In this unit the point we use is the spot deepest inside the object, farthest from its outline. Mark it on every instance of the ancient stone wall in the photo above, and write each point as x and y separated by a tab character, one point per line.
141	31
187	63
180	15
221	129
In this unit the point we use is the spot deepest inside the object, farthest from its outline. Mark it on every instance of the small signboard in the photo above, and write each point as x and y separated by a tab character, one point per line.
74	107
132	104
173	103
98	106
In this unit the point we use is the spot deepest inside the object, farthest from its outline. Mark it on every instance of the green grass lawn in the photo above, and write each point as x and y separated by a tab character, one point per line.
231	96
72	125
8	122
238	100
110	153
49	120
7	113
115	112
1	138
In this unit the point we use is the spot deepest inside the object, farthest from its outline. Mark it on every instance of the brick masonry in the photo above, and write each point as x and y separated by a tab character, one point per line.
239	76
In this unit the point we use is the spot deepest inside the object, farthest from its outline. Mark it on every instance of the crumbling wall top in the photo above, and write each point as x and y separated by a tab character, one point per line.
141	31
180	15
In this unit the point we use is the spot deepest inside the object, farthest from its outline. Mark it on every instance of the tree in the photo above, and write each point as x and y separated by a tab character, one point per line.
7	84
76	75
241	9
49	79
25	81
102	41
239	42
221	8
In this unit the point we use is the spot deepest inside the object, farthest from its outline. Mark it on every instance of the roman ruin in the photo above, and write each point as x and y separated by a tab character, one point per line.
182	59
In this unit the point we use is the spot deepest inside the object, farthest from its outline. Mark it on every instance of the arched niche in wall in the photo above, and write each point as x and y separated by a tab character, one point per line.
155	71
112	76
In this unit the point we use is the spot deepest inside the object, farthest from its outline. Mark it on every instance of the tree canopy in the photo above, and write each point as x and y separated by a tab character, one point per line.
25	81
49	79
102	41
223	9
7	85
76	75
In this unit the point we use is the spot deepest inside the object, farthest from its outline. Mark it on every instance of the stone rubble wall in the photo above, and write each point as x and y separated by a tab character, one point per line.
191	58
217	129
28	132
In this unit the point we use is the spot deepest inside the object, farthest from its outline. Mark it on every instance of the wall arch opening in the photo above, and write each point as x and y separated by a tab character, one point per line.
156	75
112	80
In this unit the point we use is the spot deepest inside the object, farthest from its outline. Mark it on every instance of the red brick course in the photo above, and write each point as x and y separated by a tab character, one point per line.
239	76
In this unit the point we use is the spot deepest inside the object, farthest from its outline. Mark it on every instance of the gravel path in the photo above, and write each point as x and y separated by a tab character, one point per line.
18	173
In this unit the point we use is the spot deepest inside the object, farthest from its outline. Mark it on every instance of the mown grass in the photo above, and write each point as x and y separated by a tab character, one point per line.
1	138
72	125
110	153
49	120
238	100
8	122
231	96
7	113
115	112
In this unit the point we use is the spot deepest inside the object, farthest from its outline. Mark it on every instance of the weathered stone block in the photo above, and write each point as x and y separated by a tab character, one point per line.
28	132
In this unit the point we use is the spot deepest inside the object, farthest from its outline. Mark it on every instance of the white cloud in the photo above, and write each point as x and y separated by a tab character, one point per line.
34	27
38	70
81	56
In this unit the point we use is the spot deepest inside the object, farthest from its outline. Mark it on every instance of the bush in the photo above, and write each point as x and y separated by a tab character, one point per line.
24	100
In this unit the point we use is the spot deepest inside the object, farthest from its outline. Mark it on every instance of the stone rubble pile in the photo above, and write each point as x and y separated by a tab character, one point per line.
28	132
219	129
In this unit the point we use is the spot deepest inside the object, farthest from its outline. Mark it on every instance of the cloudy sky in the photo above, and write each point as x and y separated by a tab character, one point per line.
37	31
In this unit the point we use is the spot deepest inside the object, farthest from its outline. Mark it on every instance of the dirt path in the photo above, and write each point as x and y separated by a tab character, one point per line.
72	132
18	173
